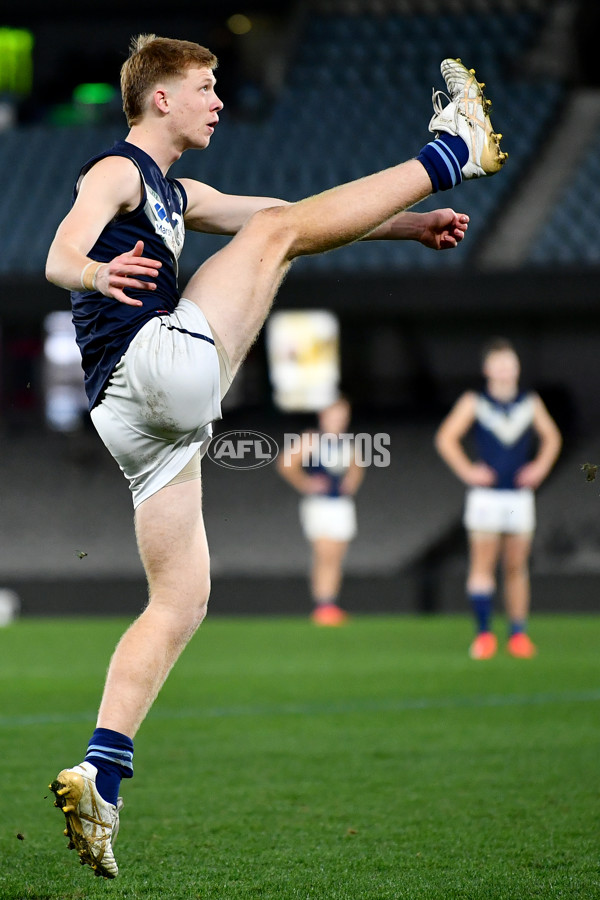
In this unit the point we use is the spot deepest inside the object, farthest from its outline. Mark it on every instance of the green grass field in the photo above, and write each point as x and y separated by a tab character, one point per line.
283	761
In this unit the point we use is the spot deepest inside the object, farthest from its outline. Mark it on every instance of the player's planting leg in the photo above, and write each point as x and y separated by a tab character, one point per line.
517	591
484	549
326	581
174	551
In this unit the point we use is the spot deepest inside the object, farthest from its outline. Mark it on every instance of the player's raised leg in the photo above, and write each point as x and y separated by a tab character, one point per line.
236	287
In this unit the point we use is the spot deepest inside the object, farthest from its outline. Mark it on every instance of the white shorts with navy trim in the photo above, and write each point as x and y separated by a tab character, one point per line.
328	517
500	511
158	406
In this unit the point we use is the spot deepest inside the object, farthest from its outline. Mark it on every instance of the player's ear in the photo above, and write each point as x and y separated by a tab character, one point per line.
160	99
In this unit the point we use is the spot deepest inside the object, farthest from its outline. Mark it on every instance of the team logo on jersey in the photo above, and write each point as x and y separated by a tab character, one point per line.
169	227
506	425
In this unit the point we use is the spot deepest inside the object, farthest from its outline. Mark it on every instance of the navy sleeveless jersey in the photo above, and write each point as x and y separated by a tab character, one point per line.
504	435
332	462
105	327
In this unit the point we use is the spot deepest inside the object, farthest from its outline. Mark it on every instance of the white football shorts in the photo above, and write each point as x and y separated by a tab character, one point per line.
500	511
158	406
328	517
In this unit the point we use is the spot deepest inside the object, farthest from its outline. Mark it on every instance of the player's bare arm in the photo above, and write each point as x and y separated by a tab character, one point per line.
110	188
213	212
290	468
550	443
439	229
448	443
353	479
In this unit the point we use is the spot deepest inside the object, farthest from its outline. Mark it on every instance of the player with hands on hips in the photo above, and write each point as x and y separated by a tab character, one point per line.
500	506
324	470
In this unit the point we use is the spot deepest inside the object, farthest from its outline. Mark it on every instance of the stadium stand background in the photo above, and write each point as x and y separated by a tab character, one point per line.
316	94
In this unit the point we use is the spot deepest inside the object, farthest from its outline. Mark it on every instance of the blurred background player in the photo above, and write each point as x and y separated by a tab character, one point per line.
324	470
500	505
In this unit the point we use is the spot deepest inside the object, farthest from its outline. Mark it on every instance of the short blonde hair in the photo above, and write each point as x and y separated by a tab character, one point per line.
152	59
497	345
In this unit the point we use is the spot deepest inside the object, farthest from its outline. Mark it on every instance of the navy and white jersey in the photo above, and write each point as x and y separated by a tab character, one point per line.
105	327
331	458
504	435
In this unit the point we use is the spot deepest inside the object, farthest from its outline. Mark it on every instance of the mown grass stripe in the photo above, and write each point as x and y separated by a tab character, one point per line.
329	708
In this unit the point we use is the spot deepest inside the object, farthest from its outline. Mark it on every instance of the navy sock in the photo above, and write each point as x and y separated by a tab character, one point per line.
482	607
112	754
443	159
516	627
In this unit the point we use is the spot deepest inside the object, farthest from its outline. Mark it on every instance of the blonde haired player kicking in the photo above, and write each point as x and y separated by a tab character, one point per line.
500	505
157	361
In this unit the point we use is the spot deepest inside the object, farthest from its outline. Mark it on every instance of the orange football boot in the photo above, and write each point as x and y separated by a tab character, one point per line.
521	646
329	614
484	646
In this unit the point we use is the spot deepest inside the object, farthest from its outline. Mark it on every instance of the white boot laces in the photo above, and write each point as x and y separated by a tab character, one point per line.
437	99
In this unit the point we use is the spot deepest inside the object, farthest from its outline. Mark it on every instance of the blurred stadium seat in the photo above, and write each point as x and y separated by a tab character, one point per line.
568	237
